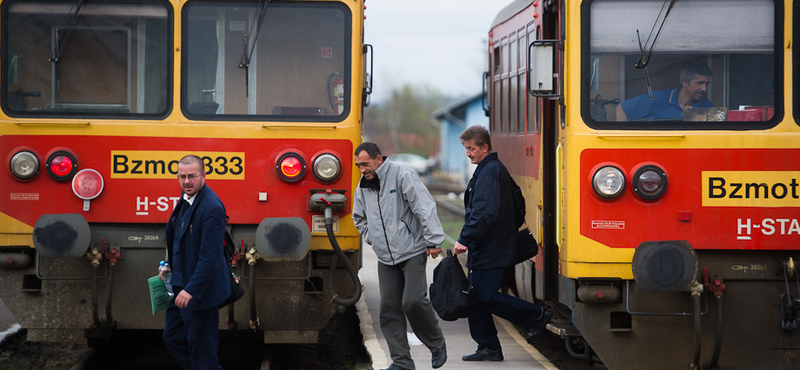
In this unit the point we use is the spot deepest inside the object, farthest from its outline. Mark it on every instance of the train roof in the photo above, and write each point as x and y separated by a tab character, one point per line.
510	10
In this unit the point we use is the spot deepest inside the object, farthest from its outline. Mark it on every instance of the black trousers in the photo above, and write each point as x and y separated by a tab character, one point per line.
490	301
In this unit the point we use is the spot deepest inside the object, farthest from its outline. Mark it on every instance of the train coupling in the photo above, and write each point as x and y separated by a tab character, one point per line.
789	304
94	256
252	256
322	199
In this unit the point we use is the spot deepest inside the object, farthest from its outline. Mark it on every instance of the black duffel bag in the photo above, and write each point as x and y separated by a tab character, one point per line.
451	291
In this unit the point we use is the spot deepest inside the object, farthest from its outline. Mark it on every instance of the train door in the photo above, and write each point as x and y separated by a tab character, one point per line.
546	274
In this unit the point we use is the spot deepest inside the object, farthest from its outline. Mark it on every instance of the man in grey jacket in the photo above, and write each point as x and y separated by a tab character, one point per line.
396	214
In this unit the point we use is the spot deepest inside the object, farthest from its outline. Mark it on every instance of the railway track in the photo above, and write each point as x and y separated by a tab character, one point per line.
241	351
339	346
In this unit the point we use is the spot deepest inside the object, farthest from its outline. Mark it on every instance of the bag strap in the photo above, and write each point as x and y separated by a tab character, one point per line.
469	271
519	202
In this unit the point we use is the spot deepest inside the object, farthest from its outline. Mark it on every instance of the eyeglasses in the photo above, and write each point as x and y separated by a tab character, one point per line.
191	177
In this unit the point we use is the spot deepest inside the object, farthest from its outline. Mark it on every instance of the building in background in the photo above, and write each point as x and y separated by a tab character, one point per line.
454	166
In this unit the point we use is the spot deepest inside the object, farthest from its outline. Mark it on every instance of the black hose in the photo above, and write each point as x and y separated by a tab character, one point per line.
332	271
718	338
697	331
110	288
95	316
253	318
231	320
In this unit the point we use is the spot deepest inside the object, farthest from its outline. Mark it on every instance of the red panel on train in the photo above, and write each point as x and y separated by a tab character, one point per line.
140	185
715	199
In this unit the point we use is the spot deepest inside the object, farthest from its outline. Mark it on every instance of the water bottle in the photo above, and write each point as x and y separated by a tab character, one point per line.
167	276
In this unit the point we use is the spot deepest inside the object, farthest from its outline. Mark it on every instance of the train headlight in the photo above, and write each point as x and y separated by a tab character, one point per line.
608	182
649	182
61	165
24	165
327	167
291	167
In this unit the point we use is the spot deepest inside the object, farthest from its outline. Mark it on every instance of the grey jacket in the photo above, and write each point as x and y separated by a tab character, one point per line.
396	214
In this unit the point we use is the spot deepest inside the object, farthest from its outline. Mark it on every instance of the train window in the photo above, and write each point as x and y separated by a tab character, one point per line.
697	69
260	60
534	122
110	59
512	84
497	81
504	56
521	81
498	65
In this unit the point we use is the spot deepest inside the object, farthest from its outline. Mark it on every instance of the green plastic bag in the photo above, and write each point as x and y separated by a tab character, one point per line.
159	297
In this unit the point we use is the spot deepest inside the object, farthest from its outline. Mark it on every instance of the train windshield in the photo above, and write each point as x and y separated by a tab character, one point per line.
279	61
69	59
689	64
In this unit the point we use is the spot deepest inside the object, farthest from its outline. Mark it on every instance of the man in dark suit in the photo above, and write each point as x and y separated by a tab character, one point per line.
195	236
489	234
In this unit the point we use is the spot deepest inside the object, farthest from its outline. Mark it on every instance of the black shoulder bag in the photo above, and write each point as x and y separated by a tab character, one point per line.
526	245
237	291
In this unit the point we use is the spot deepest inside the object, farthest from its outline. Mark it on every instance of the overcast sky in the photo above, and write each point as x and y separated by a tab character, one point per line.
439	43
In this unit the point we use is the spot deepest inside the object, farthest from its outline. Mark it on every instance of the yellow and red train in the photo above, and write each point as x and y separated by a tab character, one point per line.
101	98
666	243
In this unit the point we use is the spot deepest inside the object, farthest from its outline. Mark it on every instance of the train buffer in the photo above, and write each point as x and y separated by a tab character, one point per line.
517	353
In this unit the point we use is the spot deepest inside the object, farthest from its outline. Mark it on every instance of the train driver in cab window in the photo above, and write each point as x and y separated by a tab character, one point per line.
671	103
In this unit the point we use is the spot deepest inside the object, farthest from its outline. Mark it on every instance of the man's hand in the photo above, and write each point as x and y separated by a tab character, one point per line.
183	298
459	248
433	252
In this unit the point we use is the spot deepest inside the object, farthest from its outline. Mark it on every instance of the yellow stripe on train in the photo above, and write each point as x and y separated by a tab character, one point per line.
163	164
751	189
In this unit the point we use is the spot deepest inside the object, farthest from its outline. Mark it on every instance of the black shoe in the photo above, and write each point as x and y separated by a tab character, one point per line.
439	357
538	328
394	367
485	354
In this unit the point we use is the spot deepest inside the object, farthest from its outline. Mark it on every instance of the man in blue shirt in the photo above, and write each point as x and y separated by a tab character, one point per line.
670	104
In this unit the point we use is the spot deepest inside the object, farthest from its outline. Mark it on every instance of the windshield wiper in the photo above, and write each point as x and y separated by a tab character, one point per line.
250	45
61	43
643	65
644	60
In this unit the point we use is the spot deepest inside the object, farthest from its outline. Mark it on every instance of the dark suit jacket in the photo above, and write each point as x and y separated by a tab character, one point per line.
489	228
205	273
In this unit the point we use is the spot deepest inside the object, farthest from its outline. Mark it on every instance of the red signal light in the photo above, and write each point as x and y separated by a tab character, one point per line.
62	165
649	182
291	167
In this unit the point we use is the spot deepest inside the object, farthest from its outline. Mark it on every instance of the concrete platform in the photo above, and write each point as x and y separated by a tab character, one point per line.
517	352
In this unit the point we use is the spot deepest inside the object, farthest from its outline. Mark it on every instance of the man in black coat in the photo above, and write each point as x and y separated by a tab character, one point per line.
195	236
489	234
